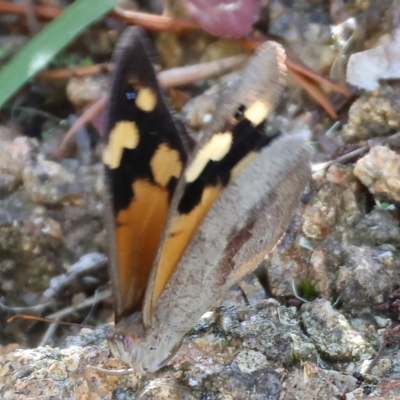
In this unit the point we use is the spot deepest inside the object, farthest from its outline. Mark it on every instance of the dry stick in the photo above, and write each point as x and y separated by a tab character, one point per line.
345	158
152	22
86	263
296	295
162	23
193	73
89	113
44	12
66	73
392	139
21	310
317	77
377	357
390	336
47	336
40	319
168	78
59	315
31	17
314	91
35	111
85	304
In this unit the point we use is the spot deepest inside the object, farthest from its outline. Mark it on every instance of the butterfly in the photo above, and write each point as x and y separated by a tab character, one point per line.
186	220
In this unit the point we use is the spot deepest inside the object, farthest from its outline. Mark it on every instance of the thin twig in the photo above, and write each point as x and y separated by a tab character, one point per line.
38	112
390	336
21	310
44	12
66	73
315	76
376	359
393	140
49	333
312	88
89	302
31	17
59	315
87	263
345	158
336	302
88	114
193	73
296	295
152	22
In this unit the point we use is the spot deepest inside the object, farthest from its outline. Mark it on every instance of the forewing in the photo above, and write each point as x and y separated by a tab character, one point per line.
144	158
234	137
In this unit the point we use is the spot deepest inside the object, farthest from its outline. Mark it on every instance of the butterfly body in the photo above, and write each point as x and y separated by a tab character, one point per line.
185	223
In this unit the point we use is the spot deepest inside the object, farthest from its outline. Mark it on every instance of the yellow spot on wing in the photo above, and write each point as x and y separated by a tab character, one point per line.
138	231
214	150
257	112
146	99
181	231
165	164
124	135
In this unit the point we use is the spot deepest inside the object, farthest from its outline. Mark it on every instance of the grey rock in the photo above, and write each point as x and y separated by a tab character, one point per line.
379	170
366	278
47	182
332	334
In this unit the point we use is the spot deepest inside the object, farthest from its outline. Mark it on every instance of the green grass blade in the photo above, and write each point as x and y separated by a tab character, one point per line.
47	43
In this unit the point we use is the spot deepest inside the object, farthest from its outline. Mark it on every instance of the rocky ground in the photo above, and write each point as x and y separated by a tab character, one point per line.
319	318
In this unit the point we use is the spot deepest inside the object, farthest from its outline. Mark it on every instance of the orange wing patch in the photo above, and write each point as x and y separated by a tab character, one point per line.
180	232
138	231
139	227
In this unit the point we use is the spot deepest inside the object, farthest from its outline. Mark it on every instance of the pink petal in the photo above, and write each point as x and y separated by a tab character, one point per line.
226	18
